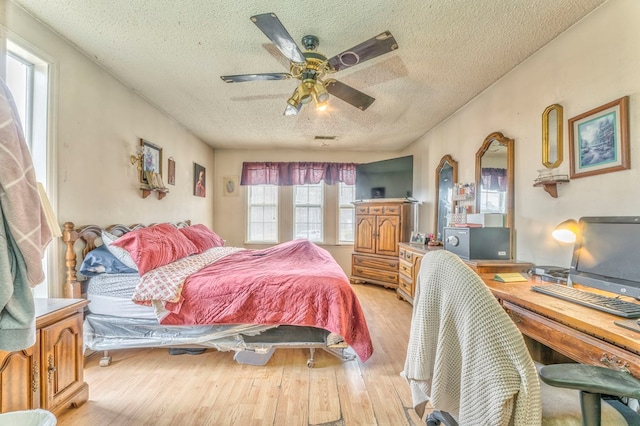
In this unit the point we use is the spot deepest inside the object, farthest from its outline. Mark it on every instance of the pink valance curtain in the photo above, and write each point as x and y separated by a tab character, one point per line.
494	179
297	173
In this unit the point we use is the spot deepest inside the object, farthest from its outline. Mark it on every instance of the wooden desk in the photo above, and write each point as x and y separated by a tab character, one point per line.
583	334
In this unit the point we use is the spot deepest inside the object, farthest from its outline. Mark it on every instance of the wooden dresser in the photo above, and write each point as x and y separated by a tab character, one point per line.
49	374
410	257
380	226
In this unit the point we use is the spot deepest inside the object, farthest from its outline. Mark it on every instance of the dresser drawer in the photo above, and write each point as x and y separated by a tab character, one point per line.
407	255
364	273
375	209
406	269
362	209
406	285
386	264
391	210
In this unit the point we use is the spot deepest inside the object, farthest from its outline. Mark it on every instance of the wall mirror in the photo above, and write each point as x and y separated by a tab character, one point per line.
446	176
494	178
552	136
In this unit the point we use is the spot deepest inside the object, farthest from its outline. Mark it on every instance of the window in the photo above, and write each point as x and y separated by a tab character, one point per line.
308	203
27	76
263	213
492	201
346	212
20	82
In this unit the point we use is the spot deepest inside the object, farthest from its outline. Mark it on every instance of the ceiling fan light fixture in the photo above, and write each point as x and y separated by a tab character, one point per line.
291	109
304	93
322	106
320	93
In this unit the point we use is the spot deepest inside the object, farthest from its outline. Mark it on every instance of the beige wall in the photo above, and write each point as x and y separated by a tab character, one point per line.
594	62
97	124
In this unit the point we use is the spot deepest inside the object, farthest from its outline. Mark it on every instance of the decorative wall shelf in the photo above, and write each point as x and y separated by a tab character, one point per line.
551	186
160	193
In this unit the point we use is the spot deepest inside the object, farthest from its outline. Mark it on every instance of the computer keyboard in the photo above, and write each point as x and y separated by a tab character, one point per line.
612	305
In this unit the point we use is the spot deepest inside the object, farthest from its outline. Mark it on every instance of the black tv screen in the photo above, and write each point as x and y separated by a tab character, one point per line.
391	178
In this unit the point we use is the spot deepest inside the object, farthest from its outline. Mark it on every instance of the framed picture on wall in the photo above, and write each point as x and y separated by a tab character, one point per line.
599	140
199	180
151	160
230	186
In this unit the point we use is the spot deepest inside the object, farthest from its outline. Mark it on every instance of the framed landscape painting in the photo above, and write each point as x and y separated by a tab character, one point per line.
599	140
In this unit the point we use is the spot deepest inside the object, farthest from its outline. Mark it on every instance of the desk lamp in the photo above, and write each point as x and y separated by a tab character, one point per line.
566	231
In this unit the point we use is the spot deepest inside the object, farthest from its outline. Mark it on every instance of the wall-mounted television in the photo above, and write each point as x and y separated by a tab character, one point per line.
606	254
392	178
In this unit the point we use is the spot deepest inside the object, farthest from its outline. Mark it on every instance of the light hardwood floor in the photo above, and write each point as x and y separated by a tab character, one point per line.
151	387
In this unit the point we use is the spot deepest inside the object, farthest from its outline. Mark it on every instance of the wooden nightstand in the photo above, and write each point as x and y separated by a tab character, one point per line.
49	374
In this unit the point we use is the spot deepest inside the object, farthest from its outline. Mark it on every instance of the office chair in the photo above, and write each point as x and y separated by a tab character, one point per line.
469	361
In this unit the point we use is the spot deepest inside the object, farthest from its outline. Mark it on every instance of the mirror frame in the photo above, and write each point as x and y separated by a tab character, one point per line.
504	141
549	135
454	174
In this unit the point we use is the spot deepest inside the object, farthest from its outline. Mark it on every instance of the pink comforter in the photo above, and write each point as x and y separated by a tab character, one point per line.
294	283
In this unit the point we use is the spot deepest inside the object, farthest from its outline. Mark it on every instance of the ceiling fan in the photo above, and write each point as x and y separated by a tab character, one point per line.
312	68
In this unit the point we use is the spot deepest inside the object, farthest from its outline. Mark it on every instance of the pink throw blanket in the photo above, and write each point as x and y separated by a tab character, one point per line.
294	283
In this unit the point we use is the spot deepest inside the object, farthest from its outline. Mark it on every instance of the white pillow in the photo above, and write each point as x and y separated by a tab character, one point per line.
121	254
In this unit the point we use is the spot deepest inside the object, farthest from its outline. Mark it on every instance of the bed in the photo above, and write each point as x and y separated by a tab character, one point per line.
177	285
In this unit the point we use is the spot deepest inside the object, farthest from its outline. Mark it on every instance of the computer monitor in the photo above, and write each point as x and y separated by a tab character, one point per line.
606	254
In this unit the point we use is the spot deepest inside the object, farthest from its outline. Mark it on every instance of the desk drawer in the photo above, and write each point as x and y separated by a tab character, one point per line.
573	343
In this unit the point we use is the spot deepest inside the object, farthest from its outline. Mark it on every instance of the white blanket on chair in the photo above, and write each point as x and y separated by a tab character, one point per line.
465	355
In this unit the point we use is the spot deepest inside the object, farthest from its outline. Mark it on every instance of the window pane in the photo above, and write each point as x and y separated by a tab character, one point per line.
315	195
18	76
347	193
346	218
263	213
308	212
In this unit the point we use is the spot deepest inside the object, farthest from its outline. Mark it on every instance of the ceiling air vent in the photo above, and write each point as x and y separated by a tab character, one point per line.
324	140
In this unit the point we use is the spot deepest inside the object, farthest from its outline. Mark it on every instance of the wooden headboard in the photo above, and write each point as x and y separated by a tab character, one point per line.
82	240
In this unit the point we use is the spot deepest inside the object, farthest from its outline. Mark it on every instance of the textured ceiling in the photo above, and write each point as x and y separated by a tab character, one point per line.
174	52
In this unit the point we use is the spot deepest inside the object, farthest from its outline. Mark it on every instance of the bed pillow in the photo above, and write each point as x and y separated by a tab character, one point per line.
101	261
122	255
155	246
202	237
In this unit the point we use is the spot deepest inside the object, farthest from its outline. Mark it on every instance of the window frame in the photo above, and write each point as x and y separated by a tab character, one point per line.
341	207
40	136
295	206
248	237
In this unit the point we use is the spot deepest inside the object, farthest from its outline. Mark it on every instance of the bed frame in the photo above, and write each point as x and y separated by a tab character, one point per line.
259	349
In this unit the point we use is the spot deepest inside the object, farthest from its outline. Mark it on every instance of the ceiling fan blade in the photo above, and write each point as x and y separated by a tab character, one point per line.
271	26
255	77
376	46
349	94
